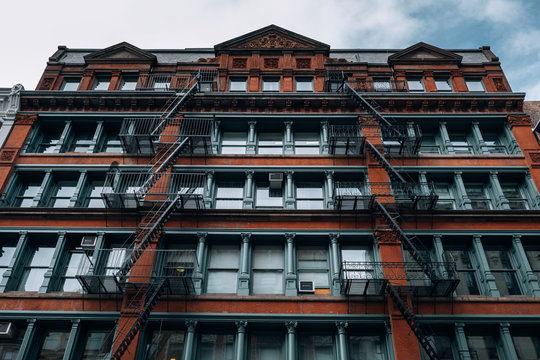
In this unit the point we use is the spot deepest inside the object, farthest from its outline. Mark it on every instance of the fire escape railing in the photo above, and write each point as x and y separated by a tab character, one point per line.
158	191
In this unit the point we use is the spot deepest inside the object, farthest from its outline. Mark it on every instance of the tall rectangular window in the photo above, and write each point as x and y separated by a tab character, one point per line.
233	142
460	144
309	195
527	344
77	263
357	262
304	84
306	143
54	345
238	84
97	344
516	196
223	262
115	259
446	200
166	344
466	272
270	143
102	83
503	271
313	265
161	82
6	255
270	84
229	195
483	347
479	196
70	84
265	346
29	186
62	192
315	347
533	255
48	137
81	138
9	347
267	269
268	197
215	346
382	85
36	267
110	140
366	347
128	83
92	193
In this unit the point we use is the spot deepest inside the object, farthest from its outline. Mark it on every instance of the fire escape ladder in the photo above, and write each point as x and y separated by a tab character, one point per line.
151	297
381	159
147	230
410	318
360	100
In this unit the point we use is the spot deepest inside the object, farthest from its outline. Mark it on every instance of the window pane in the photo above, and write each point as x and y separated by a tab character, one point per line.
233	142
27	194
268	257
477	194
315	347
267	269
267	282
64	191
446	199
483	346
527	347
129	84
166	345
115	260
266	347
239	84
467	284
102	84
512	193
77	264
216	346
443	84
270	84
222	281
506	281
382	85
54	345
267	197
304	84
415	84
533	255
224	257
475	85
98	344
366	347
70	84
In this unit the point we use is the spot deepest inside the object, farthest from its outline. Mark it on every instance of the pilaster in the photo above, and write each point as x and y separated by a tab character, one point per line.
290	277
487	277
243	278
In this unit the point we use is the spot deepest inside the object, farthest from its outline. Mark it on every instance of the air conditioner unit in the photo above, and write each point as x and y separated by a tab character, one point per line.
89	241
306	286
275	180
7	330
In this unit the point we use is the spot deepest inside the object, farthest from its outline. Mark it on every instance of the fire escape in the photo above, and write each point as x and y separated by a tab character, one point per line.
424	277
158	192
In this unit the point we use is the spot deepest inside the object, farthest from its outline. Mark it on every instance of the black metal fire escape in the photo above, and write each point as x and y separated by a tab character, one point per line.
159	191
355	277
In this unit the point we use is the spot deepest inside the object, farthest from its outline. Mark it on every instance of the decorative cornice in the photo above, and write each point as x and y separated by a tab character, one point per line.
519	120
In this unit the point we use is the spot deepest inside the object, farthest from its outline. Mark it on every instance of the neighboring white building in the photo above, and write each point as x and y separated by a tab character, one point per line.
9	105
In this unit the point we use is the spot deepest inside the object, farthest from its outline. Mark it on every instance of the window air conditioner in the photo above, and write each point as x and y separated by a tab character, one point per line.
275	179
88	241
7	330
306	286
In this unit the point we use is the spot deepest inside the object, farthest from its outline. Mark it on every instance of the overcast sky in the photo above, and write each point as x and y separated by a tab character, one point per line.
34	29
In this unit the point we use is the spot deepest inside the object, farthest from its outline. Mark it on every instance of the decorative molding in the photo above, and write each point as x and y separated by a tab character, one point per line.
239	63
272	41
499	84
21	119
535	157
386	237
7	156
519	120
271	63
303	63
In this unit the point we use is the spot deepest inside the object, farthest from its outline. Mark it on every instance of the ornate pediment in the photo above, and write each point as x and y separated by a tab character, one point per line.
122	52
271	37
423	53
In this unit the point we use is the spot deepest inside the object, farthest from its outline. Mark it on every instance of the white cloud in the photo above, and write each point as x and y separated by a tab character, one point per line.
497	11
533	92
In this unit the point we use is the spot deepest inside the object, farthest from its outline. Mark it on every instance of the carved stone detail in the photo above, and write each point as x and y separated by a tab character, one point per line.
519	120
272	41
239	63
271	63
46	84
386	237
535	157
303	63
499	84
21	119
7	155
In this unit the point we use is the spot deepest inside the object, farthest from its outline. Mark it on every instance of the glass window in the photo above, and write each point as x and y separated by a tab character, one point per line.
233	142
229	195
270	84
527	345
77	263
93	191
9	347
264	346
501	268
98	344
48	137
443	84
81	137
304	84
54	345
268	197
63	191
366	348
429	144
215	346
382	85
478	195
309	195
270	143
102	83
111	141
223	269
460	144
166	345
357	262
415	84
238	84
466	273
306	143
6	254
517	199
533	255
267	269
475	85
28	190
161	82
483	347
70	84
128	83
493	143
446	200
313	265
34	271
315	347
443	346
115	259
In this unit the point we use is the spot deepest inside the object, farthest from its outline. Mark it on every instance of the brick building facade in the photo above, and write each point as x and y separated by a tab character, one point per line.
270	198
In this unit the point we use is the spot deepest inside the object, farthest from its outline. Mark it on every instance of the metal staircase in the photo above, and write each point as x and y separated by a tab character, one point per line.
401	140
